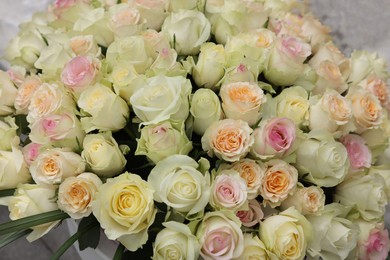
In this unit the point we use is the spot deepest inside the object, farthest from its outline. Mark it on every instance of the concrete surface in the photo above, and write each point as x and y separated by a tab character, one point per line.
356	24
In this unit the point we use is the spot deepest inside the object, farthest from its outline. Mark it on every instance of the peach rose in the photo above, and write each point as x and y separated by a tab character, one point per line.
307	200
25	92
228	139
378	87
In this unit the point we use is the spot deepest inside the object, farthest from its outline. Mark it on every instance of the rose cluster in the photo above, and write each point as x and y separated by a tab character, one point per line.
239	122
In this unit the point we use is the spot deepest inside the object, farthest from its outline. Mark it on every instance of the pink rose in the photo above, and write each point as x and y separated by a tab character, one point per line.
252	216
274	137
229	191
80	72
374	243
358	153
31	152
64	3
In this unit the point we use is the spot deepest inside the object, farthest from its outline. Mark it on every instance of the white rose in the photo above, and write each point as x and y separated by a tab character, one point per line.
108	111
161	99
102	154
187	31
53	166
75	194
7	132
8	93
33	199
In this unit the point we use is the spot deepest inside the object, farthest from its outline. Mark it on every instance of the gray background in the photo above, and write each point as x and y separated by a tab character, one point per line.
355	24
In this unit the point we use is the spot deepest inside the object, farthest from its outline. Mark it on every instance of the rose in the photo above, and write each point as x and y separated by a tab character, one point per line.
229	18
161	99
25	92
275	137
211	64
49	99
125	209
13	168
288	24
280	179
251	171
358	153
57	129
153	12
166	64
155	42
286	234
378	87
228	139
31	152
8	93
286	59
252	216
84	45
329	52
182	183
366	109
129	50
322	160
315	31
75	194
187	30
254	249
80	72
366	193
293	103
229	191
307	200
239	73
242	100
53	166
205	108
220	236
330	75
102	154
329	111
382	170
373	240
329	242
17	74
29	200
8	133
108	112
176	5
162	140
175	241
125	20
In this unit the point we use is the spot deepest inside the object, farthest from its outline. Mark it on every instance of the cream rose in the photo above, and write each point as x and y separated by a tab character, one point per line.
161	99
125	209
33	199
125	19
14	170
366	193
175	241
105	110
102	154
75	194
330	242
162	140
229	191
205	108
182	183
220	236
25	92
187	30
8	133
293	103
254	249
166	63
364	63
242	100
53	166
84	45
308	200
322	160
8	93
280	179
286	234
153	12
228	139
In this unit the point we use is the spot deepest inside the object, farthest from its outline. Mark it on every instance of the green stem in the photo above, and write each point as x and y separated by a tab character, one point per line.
119	252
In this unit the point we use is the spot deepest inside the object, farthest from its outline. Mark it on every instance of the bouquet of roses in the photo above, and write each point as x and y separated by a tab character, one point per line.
187	129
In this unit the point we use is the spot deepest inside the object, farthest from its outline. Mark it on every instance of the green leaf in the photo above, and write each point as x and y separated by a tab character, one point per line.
9	238
5	193
68	243
28	222
119	252
92	236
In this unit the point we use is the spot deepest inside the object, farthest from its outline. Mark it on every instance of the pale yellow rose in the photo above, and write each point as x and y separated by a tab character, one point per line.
254	249
125	209
8	133
286	234
53	166
75	194
242	101
102	154
166	64
8	93
308	200
293	103
33	199
228	139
